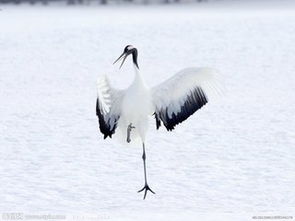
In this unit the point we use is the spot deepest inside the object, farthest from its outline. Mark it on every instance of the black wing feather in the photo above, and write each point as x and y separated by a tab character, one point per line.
104	122
193	102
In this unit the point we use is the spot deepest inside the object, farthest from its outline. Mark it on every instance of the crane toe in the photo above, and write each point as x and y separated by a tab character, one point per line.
145	189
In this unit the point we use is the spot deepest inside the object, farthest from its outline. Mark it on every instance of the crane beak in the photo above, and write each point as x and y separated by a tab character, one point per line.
122	56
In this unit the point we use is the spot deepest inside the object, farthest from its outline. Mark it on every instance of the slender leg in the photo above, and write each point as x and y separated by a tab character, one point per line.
146	186
130	127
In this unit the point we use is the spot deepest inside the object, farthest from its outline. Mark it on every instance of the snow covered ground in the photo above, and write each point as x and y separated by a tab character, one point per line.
232	160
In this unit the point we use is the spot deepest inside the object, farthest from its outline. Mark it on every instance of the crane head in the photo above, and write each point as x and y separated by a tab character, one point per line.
128	50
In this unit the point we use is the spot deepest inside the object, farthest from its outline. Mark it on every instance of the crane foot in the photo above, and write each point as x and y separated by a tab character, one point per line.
145	189
130	127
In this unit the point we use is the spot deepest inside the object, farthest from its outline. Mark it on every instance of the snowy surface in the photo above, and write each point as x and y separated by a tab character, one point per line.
234	159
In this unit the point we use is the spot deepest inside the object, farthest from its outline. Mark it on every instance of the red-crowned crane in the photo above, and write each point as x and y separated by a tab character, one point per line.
171	102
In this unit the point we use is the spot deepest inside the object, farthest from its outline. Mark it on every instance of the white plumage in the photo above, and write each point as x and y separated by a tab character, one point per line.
172	101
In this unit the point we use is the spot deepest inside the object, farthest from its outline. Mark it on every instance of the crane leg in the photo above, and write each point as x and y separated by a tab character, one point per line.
130	127
146	186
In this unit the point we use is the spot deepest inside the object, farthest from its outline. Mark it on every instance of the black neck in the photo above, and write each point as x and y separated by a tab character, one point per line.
134	57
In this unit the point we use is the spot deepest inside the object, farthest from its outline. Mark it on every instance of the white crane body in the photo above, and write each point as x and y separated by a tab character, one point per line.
136	108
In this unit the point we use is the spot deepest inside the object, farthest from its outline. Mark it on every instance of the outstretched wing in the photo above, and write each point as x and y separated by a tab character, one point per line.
108	106
182	95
